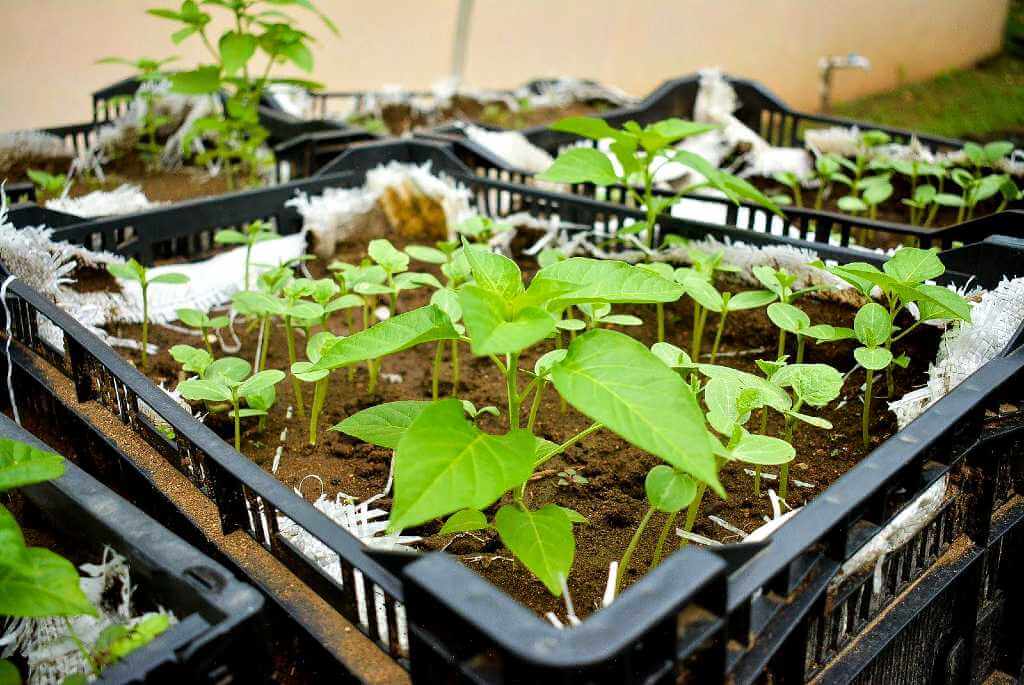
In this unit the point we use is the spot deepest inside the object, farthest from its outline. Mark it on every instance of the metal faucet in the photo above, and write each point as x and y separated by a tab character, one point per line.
828	64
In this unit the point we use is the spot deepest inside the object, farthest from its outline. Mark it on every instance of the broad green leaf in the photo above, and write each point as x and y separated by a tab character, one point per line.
622	320
128	272
169	279
772	395
601	280
669	490
9	674
22	464
852	204
230	369
463	521
872	324
581	165
429	255
750	299
876	193
788	318
398	333
874	358
200	81
815	384
570	324
615	380
823	332
192	359
383	424
199	390
541	539
858	274
384	253
494	272
914	265
36	582
492	331
937	302
676	129
448	301
703	293
763	450
815	421
192	317
444	463
230	236
260	382
235	50
588	127
672	356
547	361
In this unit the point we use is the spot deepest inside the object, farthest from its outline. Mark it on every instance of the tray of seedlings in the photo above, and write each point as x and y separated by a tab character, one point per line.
856	183
146	607
427	407
174	132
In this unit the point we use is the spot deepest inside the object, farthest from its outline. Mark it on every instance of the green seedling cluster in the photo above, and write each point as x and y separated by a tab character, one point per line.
640	152
260	36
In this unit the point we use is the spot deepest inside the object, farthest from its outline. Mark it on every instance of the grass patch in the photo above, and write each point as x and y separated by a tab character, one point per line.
984	103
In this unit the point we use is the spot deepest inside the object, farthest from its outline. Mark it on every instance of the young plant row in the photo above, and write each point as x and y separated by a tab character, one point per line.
681	406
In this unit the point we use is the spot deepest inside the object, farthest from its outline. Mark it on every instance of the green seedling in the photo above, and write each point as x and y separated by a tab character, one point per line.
253	26
793	182
148	71
569	476
781	282
133	271
606	375
481	229
114	643
704	269
230	379
828	171
710	300
256	232
596	315
48	186
192	359
194	318
791	319
640	152
975	188
902	281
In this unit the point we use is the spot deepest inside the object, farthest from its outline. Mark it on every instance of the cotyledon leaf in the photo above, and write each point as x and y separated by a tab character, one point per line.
382	424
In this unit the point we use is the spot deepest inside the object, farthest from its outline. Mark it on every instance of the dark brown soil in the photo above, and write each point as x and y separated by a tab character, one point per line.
613	497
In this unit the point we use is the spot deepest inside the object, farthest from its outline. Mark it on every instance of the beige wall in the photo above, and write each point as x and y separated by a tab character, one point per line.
49	47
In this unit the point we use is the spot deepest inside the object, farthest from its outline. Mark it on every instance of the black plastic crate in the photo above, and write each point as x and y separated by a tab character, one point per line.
763	112
740	610
220	636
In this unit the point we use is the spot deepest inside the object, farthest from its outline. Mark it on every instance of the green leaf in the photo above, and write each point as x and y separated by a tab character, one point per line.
429	255
874	358
877	193
852	204
192	359
398	333
703	293
448	301
676	129
815	384
823	332
199	390
22	464
494	272
200	81
601	280
9	674
382	424
260	382
769	393
788	318
669	490
815	421
913	265
229	236
750	299
860	275
615	380
672	356
232	370
581	165
384	253
464	521
872	324
763	450
493	331
588	127
547	362
192	317
444	463
299	55
247	413
236	49
937	302
169	279
541	539
132	271
36	582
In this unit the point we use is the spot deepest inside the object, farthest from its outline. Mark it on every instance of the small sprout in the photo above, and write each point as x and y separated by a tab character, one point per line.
48	185
133	271
195	318
475	414
569	476
256	232
230	379
481	229
793	182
